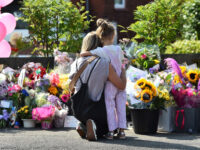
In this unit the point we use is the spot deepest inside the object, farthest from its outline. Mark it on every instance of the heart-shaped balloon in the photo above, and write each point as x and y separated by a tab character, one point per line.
5	49
4	3
9	21
2	31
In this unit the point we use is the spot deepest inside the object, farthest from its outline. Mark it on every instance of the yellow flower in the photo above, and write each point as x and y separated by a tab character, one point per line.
25	107
133	60
141	83
192	76
177	79
151	87
167	98
26	111
53	90
156	61
183	69
146	96
19	111
22	109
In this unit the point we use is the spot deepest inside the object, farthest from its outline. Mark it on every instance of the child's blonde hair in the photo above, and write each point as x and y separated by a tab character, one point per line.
91	41
105	30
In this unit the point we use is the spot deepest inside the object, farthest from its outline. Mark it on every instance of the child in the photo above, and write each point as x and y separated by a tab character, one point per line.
114	98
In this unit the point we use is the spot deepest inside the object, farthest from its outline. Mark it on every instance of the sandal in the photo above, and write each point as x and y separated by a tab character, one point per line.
109	135
121	135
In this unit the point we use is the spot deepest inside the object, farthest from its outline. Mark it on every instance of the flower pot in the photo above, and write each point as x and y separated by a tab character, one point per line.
46	124
145	121
29	123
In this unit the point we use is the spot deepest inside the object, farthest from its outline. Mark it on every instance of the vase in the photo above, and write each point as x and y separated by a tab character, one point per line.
29	123
145	121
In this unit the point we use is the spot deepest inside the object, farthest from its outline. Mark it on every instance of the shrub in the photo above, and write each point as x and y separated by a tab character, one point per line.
55	24
184	47
191	18
158	22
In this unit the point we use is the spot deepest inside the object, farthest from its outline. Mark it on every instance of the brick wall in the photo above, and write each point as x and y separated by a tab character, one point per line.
105	9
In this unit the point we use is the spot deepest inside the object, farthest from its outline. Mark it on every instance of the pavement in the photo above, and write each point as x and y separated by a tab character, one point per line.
68	139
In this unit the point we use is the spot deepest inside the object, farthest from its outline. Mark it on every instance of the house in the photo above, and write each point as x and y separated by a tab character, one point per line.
120	12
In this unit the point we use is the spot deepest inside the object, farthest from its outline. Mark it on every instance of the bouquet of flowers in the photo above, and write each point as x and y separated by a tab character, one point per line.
186	84
63	61
25	112
143	56
45	115
143	94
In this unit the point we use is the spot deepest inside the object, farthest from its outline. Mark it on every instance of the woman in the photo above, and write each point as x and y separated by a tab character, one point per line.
95	75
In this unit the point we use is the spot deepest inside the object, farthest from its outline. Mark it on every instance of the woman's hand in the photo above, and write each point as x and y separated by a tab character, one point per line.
119	82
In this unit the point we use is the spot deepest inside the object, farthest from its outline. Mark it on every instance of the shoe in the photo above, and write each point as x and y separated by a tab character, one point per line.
91	130
121	135
109	135
80	130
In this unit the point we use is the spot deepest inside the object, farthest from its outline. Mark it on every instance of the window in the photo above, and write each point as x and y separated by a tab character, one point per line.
119	4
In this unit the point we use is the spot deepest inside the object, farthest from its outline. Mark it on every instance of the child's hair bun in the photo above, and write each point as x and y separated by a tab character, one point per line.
102	22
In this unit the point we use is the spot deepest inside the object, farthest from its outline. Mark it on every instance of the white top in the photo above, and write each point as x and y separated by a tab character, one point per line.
103	52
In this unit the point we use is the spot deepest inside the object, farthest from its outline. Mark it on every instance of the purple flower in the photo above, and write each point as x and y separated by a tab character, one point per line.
53	99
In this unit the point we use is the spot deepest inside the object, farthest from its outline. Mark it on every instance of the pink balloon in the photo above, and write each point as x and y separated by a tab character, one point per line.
2	31
9	21
5	49
4	3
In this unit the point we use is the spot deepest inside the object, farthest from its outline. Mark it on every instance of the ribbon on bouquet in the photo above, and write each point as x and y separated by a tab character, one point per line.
183	120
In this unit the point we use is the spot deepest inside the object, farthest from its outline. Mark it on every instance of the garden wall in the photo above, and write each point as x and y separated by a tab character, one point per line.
18	62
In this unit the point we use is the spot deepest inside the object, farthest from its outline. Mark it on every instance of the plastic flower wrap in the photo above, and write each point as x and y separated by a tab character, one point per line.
143	94
186	83
43	113
63	61
3	86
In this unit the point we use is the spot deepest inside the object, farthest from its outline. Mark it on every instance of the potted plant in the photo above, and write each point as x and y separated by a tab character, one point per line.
25	113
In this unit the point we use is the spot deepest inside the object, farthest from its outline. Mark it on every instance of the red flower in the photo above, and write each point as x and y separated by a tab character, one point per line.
17	75
31	76
14	49
144	56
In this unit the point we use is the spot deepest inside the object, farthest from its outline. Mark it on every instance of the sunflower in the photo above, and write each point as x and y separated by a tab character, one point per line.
177	79
192	76
141	83
152	87
146	96
53	90
183	69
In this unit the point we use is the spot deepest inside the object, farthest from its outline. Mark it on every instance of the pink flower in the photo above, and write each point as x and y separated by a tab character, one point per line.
65	97
54	78
14	89
144	56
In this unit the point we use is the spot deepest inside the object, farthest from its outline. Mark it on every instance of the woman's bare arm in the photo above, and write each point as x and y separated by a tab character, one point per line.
119	82
83	54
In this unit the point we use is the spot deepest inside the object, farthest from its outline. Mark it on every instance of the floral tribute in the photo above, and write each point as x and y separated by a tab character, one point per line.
186	84
33	92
